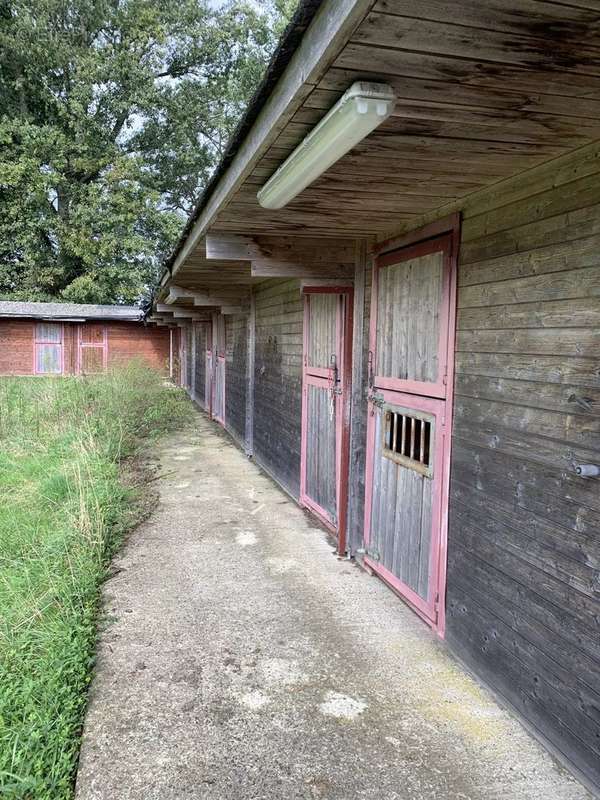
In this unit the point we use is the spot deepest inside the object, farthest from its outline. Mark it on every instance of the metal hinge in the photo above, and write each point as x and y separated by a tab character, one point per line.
376	399
373	554
436	605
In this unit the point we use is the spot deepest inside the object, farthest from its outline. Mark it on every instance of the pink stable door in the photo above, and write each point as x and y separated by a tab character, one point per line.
409	416
92	348
218	368
325	408
208	366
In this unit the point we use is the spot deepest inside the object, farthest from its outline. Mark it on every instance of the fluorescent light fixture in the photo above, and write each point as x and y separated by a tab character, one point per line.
362	109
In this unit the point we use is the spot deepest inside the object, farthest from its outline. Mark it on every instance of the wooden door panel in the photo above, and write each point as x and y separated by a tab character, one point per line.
321	472
322	320
408	328
219	393
403	498
48	348
410	373
91	360
324	452
91	333
48	358
209	381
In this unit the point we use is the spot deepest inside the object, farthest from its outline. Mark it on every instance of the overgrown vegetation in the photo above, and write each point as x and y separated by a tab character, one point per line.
64	508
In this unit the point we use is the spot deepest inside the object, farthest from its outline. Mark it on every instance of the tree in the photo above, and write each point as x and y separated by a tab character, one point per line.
113	114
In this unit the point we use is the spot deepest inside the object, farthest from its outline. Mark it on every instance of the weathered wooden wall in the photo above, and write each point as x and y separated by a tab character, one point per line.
236	353
278	380
524	539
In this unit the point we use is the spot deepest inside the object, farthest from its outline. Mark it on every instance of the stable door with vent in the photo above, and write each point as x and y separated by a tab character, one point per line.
409	413
325	416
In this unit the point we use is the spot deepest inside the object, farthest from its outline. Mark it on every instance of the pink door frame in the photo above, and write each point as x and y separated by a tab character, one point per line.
208	373
37	341
81	345
182	356
323	377
219	341
438	399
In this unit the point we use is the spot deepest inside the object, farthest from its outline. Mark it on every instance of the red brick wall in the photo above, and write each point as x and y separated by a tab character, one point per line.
16	347
126	340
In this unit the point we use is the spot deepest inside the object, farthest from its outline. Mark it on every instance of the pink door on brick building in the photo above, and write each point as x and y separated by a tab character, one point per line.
409	420
92	348
325	407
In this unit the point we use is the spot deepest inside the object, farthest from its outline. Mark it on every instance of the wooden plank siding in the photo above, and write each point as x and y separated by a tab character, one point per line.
523	594
236	353
278	381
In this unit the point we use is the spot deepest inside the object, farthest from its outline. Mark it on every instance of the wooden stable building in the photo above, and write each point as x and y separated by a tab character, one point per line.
410	346
80	339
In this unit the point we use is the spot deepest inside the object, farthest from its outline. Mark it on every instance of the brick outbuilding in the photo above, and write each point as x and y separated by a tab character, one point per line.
75	339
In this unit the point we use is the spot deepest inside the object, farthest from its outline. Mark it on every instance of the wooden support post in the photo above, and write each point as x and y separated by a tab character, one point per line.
250	362
358	406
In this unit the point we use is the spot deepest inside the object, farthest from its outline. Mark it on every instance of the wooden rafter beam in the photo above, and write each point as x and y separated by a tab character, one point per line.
272	256
230	310
177	293
180	313
228	247
218	300
331	26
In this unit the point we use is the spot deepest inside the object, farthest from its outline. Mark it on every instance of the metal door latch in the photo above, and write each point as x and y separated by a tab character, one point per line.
376	399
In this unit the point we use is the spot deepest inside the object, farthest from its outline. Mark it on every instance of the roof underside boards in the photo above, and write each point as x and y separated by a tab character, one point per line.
69	311
486	90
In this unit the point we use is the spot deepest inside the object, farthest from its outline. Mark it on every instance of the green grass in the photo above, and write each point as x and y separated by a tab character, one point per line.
64	508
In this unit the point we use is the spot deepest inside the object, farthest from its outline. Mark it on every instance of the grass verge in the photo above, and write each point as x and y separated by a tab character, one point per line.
64	508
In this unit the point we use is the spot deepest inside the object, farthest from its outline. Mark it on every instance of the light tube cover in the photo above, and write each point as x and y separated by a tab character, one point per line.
363	108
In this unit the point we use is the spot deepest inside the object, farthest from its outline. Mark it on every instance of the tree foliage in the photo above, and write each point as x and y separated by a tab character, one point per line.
113	114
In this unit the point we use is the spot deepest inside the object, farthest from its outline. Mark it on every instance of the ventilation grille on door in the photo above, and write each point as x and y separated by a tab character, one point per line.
408	440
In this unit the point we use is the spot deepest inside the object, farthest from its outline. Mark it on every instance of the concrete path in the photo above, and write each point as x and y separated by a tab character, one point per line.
245	661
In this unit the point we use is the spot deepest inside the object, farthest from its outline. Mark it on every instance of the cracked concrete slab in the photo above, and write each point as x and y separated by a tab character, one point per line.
245	661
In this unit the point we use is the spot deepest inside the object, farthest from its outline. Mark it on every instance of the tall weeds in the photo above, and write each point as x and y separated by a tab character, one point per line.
64	509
